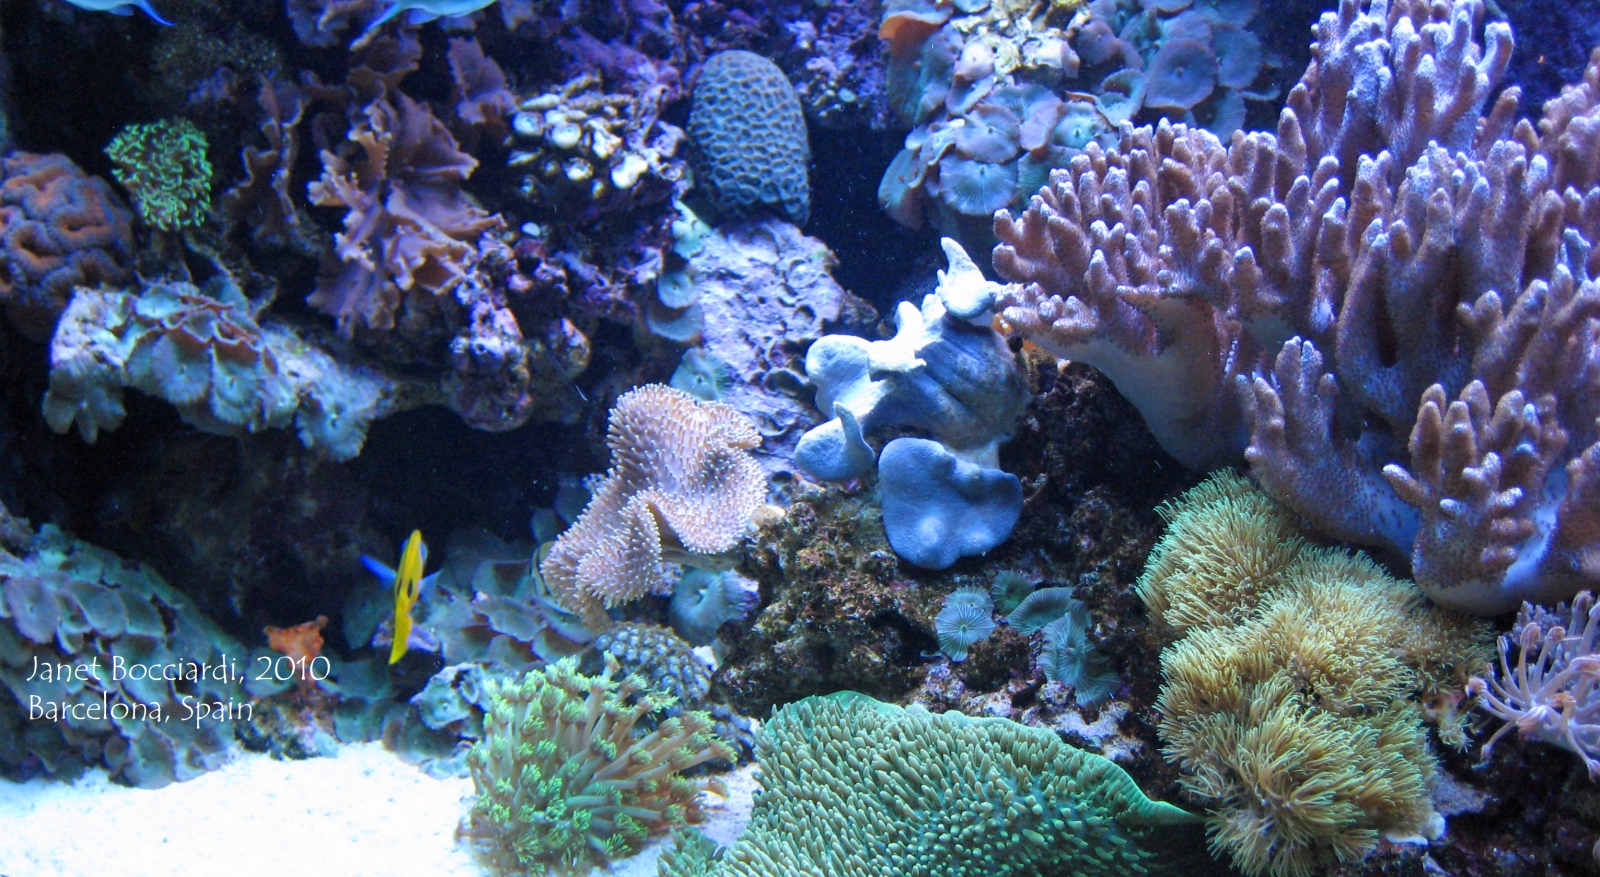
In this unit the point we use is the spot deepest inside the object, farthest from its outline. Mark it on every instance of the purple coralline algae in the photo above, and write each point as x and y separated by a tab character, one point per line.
763	294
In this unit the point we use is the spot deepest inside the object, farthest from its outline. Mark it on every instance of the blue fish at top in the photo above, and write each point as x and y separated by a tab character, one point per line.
119	7
428	10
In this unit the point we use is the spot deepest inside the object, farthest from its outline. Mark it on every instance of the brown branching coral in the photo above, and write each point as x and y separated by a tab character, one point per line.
1390	305
261	201
682	487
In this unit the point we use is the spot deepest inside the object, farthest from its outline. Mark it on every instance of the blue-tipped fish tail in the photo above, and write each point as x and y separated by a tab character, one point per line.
120	7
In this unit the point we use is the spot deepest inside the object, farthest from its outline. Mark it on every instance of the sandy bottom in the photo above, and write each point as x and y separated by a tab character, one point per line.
359	814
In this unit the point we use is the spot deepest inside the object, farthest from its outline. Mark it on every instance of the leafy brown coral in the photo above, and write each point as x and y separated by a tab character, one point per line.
410	232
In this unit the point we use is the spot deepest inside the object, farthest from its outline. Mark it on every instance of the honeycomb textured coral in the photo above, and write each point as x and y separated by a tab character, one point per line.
749	135
857	788
682	481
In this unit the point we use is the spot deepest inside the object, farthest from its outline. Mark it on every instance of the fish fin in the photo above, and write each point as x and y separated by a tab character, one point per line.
383	19
150	11
384	573
426	583
121	10
422	16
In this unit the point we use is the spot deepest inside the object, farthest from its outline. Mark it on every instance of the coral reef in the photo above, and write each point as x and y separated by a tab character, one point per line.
1381	315
225	372
837	609
164	166
682	487
855	787
134	678
945	373
564	783
59	229
1294	706
749	137
1554	697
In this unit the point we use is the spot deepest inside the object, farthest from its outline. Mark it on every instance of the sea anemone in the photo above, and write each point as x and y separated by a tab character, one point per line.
1040	608
990	134
1009	588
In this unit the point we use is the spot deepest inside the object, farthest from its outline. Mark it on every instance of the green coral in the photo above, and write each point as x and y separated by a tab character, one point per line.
164	165
853	787
566	782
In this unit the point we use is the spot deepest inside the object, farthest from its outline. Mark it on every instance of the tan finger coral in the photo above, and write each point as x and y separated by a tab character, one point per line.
682	487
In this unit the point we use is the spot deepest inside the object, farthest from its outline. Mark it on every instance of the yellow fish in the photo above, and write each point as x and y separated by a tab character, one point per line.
408	584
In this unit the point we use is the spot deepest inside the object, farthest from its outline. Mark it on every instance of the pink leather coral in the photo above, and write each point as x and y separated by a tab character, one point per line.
682	488
59	228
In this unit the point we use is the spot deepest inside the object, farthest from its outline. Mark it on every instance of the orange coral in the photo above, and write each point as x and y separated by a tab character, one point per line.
303	642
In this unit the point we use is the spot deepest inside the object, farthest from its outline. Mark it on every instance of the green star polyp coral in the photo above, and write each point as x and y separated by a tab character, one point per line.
164	166
565	782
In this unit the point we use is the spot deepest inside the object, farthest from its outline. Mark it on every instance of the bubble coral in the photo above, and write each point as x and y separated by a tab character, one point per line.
164	166
565	782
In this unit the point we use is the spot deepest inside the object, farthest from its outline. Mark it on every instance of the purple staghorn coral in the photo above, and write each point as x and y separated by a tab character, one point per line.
1552	693
1391	306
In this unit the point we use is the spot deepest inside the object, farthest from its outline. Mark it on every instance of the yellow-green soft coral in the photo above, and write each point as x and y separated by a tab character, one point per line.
564	779
858	788
164	166
1295	696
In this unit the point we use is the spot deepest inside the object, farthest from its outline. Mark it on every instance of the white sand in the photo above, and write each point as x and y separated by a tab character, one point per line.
362	813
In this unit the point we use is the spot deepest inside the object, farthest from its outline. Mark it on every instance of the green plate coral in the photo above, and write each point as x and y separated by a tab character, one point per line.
858	788
564	781
164	166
